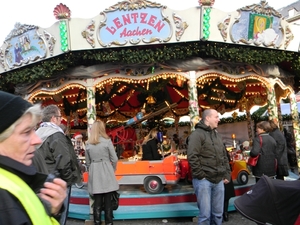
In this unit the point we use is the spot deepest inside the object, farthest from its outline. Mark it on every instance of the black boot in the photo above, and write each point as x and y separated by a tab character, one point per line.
225	213
225	216
97	215
108	214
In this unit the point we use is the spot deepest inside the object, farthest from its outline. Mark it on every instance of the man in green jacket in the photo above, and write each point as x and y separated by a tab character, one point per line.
210	168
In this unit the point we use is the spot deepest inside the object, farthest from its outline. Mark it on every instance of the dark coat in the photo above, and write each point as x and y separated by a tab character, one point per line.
266	162
229	187
207	154
55	143
281	152
150	151
11	210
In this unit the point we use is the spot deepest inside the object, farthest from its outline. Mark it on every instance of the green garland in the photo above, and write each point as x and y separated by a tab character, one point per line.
150	55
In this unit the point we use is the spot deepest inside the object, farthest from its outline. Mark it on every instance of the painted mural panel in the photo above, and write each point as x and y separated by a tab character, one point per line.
24	45
257	29
259	25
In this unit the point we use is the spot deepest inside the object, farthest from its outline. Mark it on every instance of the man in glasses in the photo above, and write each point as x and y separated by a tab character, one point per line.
54	143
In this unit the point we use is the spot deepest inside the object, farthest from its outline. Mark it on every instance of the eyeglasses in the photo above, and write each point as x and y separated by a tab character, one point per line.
58	116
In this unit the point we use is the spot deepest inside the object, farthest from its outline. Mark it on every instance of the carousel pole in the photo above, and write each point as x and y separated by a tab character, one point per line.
249	125
91	116
193	100
91	105
272	103
295	119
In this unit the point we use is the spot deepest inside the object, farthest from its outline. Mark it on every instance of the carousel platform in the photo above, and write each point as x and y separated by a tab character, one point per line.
135	203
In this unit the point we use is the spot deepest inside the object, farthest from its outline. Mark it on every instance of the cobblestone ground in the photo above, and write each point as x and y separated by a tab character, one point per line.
235	218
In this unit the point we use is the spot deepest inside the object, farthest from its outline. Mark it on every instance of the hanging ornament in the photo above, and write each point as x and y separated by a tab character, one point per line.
61	11
179	82
241	85
57	97
150	100
206	2
108	88
234	115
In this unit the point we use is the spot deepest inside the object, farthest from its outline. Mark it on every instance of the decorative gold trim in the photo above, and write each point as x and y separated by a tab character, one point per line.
288	36
2	58
132	5
88	33
62	11
20	29
180	26
206	2
262	8
51	41
223	27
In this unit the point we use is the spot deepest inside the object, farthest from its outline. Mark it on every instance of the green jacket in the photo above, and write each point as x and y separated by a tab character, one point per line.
207	154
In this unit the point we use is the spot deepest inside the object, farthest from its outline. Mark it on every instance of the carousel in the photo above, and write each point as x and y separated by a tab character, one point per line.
139	61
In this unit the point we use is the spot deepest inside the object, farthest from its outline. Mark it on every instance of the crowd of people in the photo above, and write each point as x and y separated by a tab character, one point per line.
38	163
209	162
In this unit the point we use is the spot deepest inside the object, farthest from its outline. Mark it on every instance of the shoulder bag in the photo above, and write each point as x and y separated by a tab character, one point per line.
115	197
252	161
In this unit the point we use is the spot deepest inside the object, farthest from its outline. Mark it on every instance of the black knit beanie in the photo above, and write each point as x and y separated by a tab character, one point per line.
12	107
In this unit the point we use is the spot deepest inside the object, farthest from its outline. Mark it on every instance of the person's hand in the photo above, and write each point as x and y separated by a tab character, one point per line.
54	192
226	181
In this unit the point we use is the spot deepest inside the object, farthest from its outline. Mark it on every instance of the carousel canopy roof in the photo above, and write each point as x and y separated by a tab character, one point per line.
136	72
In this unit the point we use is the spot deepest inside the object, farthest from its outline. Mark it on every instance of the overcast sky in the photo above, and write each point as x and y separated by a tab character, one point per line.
40	13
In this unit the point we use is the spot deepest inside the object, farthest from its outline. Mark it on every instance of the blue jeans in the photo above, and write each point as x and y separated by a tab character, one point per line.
210	199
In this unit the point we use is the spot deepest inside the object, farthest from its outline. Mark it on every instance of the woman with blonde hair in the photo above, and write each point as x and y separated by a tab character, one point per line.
149	146
101	160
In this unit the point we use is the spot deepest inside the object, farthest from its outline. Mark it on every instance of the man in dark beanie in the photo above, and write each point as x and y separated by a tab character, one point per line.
54	143
20	182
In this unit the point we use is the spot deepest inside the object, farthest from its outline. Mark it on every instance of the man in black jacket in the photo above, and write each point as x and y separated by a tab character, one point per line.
210	168
54	143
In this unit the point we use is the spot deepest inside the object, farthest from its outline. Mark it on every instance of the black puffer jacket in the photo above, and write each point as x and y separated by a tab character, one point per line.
207	155
150	151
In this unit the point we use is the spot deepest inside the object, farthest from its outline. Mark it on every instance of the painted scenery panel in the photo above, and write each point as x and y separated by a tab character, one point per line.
258	29
24	48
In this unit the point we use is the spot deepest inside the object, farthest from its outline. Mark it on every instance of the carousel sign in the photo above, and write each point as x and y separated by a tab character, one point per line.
134	22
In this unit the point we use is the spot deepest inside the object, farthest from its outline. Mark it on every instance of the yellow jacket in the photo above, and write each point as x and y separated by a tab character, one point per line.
31	203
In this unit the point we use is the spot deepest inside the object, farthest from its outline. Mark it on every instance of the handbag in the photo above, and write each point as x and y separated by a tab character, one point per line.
115	200
252	161
291	151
